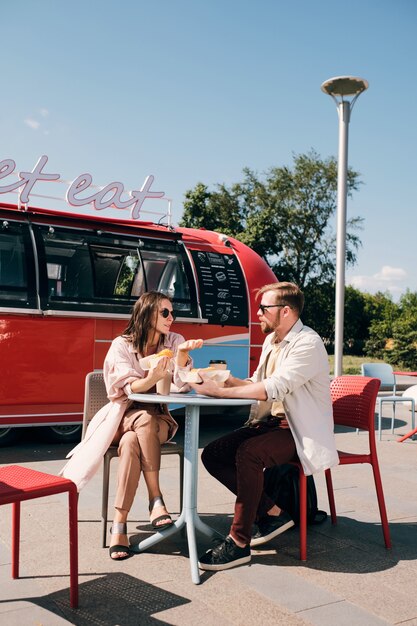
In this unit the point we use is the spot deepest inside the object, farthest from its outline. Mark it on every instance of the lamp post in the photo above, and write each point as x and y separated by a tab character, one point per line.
344	90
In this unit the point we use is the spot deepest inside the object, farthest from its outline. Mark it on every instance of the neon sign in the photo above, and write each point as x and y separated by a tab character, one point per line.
108	196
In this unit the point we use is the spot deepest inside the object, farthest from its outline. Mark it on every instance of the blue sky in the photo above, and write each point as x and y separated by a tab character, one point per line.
194	91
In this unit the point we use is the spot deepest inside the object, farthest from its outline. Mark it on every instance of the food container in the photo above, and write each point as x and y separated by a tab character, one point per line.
193	376
147	361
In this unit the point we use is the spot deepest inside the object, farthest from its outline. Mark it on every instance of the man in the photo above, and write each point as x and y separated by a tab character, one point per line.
292	419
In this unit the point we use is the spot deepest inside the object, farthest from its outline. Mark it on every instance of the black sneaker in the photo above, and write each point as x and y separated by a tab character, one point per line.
271	526
224	556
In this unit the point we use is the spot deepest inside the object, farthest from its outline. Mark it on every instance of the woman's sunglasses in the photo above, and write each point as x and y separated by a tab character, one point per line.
166	313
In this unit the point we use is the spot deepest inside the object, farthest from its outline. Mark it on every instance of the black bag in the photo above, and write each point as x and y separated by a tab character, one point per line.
281	483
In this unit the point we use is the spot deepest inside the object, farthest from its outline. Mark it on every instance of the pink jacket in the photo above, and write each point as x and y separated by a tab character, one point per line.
121	368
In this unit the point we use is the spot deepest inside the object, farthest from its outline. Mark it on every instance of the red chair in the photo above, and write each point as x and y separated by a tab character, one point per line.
353	399
19	483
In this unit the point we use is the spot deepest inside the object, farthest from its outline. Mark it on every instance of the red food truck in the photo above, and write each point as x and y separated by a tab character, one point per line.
67	286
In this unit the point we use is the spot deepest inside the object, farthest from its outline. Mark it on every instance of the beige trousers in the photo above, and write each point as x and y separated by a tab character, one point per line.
140	434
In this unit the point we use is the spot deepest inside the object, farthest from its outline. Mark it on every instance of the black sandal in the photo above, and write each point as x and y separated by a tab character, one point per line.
158	501
119	528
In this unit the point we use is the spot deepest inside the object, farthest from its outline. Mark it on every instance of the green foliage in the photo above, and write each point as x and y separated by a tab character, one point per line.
358	317
404	334
383	312
393	330
319	313
319	310
211	210
286	216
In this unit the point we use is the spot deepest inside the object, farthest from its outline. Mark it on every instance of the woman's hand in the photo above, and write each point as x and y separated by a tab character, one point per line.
184	348
158	371
155	373
191	344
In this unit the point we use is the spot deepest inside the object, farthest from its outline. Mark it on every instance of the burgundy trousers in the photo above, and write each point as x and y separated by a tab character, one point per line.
237	460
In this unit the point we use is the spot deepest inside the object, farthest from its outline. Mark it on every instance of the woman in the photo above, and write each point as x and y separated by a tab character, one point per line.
138	429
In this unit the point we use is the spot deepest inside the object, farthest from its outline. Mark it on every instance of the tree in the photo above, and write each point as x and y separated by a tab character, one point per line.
286	216
404	334
216	210
383	312
358	317
393	330
319	311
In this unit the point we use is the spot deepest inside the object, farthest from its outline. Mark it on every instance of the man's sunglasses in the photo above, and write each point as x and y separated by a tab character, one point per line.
166	313
265	307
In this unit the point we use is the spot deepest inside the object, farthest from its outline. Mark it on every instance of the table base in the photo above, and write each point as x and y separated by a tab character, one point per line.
192	522
189	517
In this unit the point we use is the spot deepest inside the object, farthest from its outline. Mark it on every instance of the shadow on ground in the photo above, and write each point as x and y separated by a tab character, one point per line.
113	599
350	546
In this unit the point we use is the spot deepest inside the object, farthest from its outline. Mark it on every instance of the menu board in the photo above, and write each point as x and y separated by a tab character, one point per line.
223	296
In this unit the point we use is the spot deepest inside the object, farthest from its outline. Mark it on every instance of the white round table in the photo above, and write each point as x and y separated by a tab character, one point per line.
189	516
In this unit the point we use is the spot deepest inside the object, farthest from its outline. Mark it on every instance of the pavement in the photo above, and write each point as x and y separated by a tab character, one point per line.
349	577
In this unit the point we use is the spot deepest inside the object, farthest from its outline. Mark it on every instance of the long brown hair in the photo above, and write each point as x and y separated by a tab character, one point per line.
143	320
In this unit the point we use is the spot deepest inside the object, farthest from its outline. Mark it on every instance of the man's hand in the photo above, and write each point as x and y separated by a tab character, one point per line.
255	391
232	381
208	387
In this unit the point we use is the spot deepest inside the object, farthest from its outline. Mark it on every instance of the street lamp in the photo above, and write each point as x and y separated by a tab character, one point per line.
344	90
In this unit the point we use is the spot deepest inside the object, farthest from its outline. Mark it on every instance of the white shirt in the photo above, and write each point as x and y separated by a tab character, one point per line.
301	381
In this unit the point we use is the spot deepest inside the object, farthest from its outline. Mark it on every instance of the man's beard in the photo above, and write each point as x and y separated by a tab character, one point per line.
266	328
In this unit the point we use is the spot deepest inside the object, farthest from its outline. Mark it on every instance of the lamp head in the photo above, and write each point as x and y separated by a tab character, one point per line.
342	87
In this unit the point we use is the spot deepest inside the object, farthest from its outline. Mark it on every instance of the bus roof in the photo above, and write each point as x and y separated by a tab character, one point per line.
57	215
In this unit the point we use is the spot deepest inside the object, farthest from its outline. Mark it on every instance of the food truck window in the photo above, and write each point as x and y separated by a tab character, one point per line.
165	271
68	266
17	278
90	271
87	271
117	272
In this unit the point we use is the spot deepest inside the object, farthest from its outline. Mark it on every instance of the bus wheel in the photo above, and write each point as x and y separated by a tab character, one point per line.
8	436
62	434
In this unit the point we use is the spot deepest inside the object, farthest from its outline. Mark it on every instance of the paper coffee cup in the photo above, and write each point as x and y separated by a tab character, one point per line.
219	364
163	386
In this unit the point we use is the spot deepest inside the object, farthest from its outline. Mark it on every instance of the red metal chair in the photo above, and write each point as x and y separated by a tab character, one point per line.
353	399
19	483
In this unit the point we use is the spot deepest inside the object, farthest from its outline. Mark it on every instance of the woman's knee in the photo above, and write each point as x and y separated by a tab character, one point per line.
129	444
146	423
